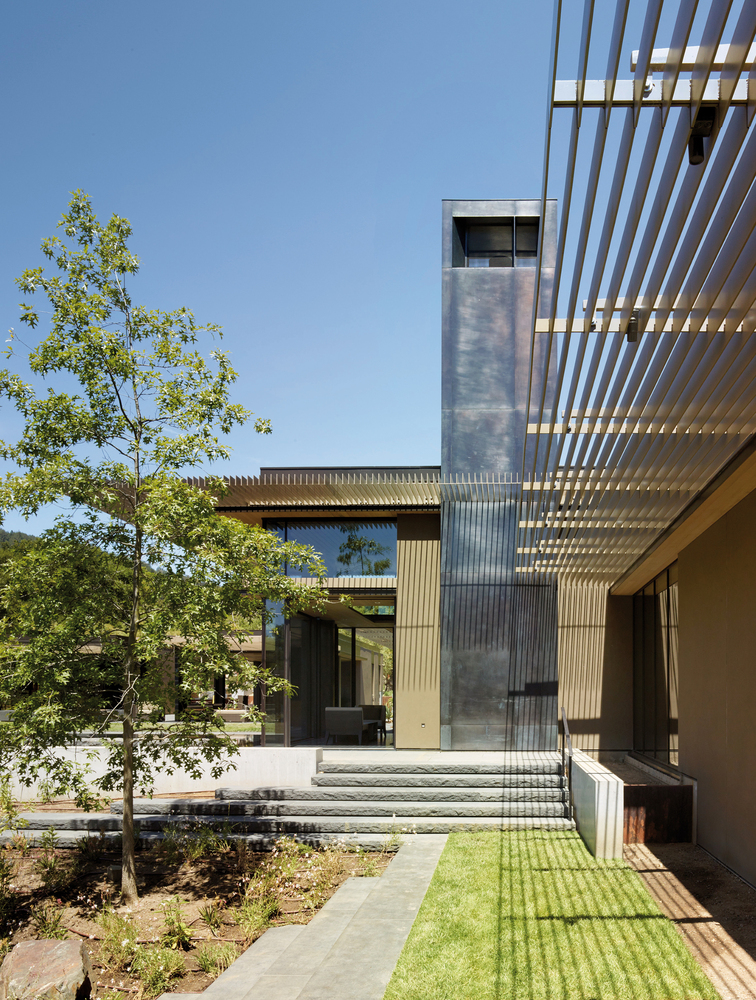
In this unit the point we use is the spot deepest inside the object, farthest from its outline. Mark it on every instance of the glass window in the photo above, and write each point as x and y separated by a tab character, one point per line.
348	548
500	243
311	649
489	246
526	240
275	661
655	668
345	681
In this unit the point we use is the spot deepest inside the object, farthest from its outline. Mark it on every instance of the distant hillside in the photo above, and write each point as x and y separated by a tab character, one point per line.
9	538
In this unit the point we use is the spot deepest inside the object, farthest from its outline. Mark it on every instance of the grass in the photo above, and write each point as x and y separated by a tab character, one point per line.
531	915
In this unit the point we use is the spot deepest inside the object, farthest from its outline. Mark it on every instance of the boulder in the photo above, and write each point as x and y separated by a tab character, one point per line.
50	970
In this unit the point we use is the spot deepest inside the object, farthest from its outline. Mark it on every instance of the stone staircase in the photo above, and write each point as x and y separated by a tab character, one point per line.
363	802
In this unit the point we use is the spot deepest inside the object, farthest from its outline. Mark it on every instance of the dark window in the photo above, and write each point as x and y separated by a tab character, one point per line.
495	242
526	233
655	712
490	246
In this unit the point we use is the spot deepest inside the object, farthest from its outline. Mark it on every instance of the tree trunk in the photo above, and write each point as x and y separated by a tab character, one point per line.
129	892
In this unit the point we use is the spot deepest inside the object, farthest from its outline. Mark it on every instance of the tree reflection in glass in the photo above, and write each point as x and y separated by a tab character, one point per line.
361	551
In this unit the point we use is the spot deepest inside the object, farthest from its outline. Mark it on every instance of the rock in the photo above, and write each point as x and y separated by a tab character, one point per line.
49	970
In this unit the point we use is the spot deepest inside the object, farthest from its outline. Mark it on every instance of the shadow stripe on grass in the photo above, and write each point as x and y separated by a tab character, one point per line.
531	915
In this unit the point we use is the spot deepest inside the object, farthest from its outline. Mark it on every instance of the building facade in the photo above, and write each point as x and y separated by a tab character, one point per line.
485	644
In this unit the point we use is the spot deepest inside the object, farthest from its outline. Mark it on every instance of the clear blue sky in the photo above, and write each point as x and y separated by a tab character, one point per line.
283	166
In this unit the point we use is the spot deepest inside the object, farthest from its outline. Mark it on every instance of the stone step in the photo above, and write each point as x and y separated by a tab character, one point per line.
228	798
250	812
255	841
318	810
64	838
430	780
384	822
547	765
92	823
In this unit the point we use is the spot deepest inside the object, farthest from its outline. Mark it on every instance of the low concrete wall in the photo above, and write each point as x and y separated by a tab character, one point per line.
256	767
598	800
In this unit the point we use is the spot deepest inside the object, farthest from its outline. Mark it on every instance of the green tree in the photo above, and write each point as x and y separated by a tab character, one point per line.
143	561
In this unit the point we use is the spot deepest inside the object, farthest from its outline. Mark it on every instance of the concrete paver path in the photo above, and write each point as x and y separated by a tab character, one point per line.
349	949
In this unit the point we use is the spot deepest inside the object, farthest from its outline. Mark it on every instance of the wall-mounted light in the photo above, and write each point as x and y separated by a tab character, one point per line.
702	128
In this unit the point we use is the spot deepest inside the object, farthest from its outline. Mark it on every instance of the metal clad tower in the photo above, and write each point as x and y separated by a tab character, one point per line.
498	628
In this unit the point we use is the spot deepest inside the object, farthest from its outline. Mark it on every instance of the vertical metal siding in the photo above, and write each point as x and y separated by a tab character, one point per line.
417	643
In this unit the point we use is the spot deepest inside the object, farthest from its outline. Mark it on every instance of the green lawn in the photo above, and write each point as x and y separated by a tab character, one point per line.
532	915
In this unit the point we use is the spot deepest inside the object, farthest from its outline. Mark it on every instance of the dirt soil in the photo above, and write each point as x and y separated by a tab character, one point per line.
714	910
299	879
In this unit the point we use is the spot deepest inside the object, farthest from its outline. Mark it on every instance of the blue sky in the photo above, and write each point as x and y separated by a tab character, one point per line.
283	166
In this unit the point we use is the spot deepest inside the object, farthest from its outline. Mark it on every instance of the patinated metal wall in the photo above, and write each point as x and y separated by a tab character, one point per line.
498	630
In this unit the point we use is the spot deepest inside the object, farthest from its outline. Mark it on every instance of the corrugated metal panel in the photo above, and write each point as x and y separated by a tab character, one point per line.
498	654
417	645
417	613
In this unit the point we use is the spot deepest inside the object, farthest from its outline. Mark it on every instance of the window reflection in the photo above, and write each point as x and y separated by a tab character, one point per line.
275	661
349	548
655	668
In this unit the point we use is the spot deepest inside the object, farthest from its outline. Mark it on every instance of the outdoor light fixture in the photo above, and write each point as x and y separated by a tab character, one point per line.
632	327
702	127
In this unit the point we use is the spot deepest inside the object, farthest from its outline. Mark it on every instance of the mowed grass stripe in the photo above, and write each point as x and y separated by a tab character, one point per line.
531	915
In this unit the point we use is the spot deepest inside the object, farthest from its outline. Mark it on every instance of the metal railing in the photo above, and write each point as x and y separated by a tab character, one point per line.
567	758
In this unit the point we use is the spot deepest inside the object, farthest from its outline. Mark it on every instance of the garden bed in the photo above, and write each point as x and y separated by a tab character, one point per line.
203	900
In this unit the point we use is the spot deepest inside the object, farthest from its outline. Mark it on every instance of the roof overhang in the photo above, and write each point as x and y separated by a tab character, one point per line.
315	490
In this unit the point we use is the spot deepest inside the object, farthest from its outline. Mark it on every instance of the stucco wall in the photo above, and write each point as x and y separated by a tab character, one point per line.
417	652
596	666
717	700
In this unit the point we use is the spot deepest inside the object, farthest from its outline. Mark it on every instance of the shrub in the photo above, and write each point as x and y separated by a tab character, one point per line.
176	934
7	898
19	842
119	942
156	967
10	814
216	958
212	914
90	848
253	914
47	919
192	841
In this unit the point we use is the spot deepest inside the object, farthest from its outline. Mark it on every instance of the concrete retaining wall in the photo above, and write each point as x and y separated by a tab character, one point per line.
256	767
598	800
